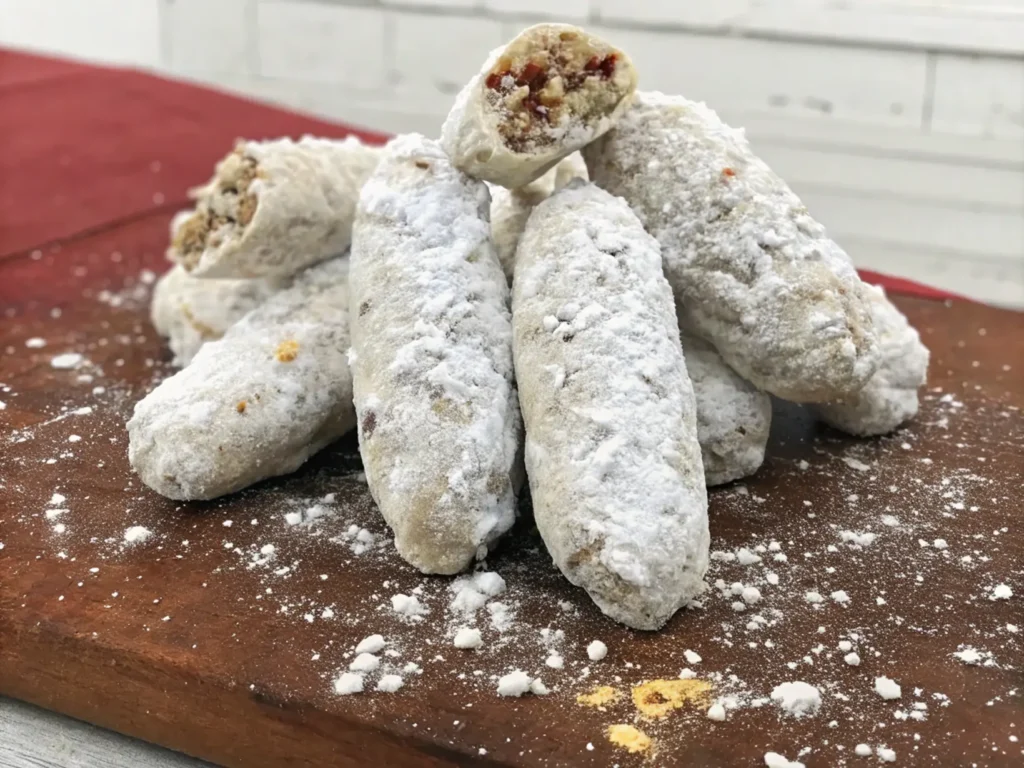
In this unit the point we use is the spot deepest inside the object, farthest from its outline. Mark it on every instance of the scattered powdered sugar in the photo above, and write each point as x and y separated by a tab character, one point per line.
1001	592
390	683
136	534
886	688
371	644
597	650
691	657
716	712
364	662
797	698
409	607
348	682
775	760
468	638
67	360
515	683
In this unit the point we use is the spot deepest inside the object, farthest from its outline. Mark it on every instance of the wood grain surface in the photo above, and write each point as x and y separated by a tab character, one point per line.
195	640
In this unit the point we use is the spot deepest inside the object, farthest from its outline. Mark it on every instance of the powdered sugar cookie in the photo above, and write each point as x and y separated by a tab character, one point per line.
258	402
733	416
550	91
754	274
510	208
439	424
890	396
611	435
274	207
190	311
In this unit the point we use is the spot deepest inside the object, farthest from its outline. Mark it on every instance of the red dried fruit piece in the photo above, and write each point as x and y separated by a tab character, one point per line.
593	64
607	66
494	79
532	75
728	172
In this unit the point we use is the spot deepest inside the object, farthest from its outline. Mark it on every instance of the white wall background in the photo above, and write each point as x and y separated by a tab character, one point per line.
900	122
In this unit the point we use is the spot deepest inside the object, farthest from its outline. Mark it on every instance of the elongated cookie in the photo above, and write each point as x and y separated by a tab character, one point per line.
190	311
274	208
439	424
611	435
890	396
256	403
754	274
544	95
733	416
510	208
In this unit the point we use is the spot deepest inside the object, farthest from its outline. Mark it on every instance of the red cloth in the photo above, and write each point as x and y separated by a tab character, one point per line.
103	157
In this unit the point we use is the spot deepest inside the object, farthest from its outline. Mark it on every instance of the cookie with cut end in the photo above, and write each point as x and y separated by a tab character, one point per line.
274	208
550	91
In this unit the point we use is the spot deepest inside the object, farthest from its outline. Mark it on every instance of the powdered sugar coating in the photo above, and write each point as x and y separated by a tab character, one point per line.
611	453
890	396
306	194
754	273
510	208
258	402
733	416
191	311
439	424
471	136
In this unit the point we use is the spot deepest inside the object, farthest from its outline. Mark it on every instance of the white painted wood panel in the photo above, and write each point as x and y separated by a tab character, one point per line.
115	31
325	43
980	97
946	185
915	224
561	10
997	282
786	79
436	55
215	37
879	141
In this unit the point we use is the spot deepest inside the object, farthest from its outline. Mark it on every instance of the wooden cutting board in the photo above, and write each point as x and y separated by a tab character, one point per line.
203	639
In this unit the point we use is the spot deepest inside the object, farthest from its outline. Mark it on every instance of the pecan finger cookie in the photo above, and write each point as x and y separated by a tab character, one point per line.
439	426
547	93
256	403
612	454
274	208
890	396
753	272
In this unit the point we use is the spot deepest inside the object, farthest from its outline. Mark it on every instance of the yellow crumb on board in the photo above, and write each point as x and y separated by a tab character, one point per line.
241	406
599	697
657	698
631	739
287	350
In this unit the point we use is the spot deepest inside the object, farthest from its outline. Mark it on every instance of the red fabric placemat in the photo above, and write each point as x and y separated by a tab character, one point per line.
89	150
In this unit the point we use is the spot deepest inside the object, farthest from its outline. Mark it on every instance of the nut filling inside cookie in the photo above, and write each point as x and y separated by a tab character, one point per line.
224	210
543	88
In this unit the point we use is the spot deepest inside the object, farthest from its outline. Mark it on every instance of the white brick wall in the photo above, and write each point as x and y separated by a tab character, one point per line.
900	122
